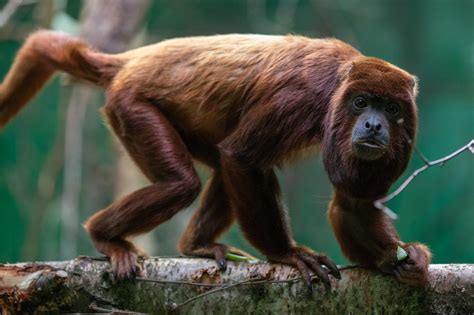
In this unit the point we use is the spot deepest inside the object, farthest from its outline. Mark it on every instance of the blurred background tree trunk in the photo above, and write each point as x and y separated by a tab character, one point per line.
109	26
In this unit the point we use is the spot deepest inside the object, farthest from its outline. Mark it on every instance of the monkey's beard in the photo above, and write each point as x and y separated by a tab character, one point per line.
360	178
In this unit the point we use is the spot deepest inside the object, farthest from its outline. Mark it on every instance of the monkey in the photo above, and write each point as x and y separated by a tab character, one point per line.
243	105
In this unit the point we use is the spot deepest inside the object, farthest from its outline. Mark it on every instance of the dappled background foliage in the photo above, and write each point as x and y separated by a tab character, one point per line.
432	38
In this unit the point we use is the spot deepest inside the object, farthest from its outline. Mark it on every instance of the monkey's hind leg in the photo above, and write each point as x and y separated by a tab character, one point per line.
159	152
213	217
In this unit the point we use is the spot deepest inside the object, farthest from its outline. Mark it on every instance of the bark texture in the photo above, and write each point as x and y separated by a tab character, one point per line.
168	285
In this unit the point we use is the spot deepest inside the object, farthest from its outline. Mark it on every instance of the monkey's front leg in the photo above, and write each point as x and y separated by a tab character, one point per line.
254	194
367	236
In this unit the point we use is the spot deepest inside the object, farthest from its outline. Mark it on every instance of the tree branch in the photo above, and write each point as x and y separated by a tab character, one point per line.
197	286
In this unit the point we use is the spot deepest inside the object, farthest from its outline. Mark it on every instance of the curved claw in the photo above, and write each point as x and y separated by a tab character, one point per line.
316	266
303	269
222	264
306	260
331	266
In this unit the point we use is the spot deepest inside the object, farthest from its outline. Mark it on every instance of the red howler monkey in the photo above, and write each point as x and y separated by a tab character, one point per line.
243	104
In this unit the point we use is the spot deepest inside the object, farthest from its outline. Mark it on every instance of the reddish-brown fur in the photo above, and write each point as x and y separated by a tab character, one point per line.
241	104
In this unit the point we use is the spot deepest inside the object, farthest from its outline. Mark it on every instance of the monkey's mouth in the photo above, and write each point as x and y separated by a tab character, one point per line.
368	149
371	143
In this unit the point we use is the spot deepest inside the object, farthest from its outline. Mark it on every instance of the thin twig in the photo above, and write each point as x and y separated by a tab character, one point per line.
380	203
349	267
197	284
174	306
113	310
420	155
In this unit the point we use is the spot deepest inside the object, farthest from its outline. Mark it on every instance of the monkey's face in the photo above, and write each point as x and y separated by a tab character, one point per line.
371	122
371	131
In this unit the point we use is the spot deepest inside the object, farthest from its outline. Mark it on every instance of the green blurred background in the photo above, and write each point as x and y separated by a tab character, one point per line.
432	38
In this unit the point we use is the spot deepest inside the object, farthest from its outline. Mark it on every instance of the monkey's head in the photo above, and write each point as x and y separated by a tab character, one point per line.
370	126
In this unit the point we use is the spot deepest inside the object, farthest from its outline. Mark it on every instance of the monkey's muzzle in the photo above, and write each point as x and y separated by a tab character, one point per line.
368	149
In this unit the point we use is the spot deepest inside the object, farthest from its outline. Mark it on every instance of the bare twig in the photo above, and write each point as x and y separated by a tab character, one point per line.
420	155
114	310
380	203
197	284
174	306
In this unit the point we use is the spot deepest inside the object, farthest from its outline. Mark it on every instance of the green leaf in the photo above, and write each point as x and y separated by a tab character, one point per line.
234	257
401	254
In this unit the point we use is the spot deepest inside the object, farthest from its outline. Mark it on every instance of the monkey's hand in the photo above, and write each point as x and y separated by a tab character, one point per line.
307	261
123	257
413	269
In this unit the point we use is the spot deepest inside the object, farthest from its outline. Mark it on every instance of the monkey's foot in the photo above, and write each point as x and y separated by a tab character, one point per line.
414	269
218	252
306	260
123	257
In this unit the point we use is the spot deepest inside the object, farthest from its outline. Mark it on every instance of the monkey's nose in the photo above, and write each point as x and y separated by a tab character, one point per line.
373	125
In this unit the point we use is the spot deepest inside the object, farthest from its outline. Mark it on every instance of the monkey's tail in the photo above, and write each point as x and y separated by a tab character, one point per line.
43	53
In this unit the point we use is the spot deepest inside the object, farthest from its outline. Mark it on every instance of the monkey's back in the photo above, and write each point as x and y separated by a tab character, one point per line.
207	83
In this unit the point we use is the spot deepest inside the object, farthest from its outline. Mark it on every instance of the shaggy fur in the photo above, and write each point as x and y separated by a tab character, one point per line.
241	104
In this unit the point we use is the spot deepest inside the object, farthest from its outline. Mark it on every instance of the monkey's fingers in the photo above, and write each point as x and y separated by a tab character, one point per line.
304	271
412	255
319	259
220	256
316	266
124	265
405	273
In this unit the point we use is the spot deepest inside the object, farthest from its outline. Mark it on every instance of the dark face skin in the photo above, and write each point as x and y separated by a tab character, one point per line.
371	132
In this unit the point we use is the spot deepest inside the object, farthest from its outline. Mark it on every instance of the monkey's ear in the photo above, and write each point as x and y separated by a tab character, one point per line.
414	85
345	71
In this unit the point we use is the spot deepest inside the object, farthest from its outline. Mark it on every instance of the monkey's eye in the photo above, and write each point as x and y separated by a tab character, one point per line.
359	103
392	109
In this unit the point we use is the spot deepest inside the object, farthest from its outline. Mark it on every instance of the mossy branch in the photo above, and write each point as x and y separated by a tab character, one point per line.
189	285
